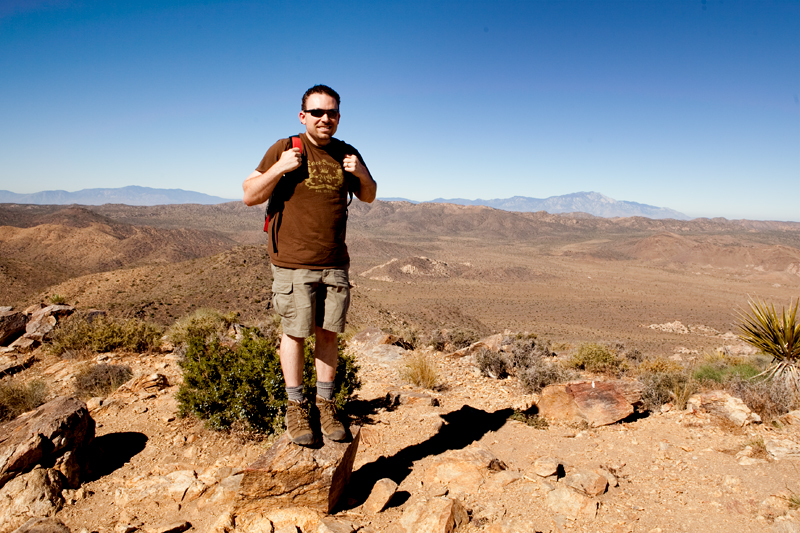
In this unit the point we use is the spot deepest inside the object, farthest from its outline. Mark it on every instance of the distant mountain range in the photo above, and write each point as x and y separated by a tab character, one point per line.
131	195
592	203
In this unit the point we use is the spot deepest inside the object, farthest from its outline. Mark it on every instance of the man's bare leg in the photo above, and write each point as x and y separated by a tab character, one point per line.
292	360
326	353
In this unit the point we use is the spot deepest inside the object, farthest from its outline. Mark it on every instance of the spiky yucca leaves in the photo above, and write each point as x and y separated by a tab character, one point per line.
774	334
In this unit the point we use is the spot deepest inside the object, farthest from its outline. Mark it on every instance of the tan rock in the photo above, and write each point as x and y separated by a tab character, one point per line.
43	525
461	471
291	475
571	504
722	404
546	466
589	483
31	495
146	383
13	363
224	523
60	425
173	527
329	525
23	344
434	515
381	493
782	448
493	343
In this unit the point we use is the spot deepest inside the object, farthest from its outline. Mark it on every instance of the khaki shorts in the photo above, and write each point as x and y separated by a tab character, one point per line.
305	299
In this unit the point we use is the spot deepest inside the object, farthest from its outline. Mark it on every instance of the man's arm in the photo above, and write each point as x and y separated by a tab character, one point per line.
258	186
368	189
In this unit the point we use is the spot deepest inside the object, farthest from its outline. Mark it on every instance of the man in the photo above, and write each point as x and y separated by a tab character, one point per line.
308	190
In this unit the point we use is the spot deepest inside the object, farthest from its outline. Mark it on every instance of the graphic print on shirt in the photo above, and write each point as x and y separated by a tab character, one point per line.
324	176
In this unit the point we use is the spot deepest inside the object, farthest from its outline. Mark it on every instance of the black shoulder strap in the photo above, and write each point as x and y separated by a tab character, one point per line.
297	142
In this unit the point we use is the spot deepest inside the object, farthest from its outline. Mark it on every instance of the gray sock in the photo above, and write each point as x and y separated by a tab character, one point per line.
295	393
325	389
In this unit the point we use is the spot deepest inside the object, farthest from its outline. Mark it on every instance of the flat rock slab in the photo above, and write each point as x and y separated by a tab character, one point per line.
597	402
43	525
42	435
723	405
288	475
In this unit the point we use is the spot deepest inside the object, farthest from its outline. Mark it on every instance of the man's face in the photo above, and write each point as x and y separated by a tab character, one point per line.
320	129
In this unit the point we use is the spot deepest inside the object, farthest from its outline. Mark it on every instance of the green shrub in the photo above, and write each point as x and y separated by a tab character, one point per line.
206	323
533	420
597	358
56	299
101	380
721	373
244	384
419	370
78	336
16	399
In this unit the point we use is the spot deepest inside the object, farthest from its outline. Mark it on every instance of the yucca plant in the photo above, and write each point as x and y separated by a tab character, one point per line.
777	335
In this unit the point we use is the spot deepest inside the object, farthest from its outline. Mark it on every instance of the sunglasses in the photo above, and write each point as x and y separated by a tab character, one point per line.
318	113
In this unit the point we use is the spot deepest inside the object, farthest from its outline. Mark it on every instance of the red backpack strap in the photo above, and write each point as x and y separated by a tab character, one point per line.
297	142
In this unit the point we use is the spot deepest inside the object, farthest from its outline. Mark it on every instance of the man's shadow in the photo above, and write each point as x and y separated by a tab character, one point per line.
461	428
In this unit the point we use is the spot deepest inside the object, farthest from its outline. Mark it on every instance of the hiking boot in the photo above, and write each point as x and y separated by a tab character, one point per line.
329	424
297	426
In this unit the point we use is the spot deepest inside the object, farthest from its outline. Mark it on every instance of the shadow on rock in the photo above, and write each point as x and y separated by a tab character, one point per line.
361	412
109	452
461	428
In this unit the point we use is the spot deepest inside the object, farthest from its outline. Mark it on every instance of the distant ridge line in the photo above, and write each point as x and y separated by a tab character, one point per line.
592	203
130	195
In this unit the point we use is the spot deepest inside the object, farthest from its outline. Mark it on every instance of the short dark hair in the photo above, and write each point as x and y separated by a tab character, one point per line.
319	89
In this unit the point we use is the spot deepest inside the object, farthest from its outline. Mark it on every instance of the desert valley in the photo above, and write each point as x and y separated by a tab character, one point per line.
649	290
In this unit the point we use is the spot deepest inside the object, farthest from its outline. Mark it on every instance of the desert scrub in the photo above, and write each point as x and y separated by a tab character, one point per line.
596	358
206	323
492	364
663	385
529	419
526	349
243	384
17	398
101	380
542	372
770	399
418	369
56	299
79	336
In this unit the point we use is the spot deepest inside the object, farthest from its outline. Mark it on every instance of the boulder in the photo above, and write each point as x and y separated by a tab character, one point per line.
433	515
43	525
12	325
493	343
381	493
571	504
284	519
546	466
146	383
782	449
11	364
723	405
43	435
23	344
590	483
289	475
597	402
461	471
35	494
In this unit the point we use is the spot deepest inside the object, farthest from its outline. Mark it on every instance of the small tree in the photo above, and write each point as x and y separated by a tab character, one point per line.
777	335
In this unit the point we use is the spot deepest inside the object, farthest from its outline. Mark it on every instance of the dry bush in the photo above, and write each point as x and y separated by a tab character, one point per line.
659	365
420	371
541	372
492	364
101	380
16	399
525	350
206	323
660	387
596	358
770	399
79	336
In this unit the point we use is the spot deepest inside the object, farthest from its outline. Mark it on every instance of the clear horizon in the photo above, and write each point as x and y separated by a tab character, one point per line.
688	105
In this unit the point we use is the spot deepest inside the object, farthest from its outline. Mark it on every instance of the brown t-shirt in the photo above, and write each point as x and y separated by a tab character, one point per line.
308	208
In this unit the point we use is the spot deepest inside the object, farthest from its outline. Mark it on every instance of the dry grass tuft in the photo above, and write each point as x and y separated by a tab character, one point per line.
419	370
16	399
101	380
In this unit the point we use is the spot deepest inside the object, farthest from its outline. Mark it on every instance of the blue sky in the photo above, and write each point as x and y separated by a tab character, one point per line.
689	105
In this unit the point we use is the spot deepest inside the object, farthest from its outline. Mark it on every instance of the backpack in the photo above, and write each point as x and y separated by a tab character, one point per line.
297	142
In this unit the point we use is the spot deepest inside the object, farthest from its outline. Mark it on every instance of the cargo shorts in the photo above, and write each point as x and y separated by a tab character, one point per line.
306	298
